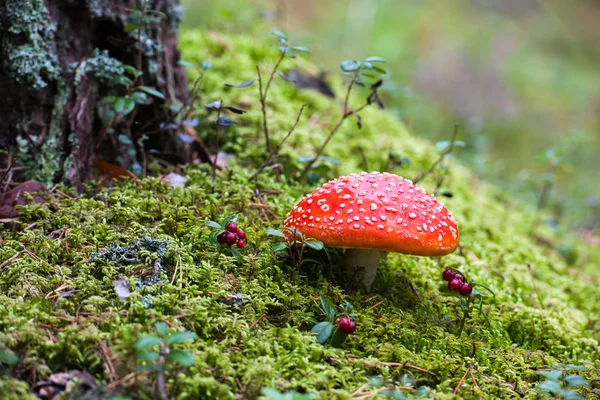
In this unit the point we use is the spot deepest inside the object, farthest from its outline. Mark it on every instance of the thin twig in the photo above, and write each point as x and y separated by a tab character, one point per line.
275	151
376	305
461	381
257	321
107	362
473	377
345	115
11	259
440	159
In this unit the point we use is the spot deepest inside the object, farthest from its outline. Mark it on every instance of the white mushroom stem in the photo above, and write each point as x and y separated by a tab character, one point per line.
362	263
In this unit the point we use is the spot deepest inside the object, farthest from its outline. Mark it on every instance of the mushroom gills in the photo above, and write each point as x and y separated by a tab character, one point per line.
361	264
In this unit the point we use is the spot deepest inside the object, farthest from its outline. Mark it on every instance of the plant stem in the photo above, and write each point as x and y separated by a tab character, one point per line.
465	315
161	382
214	163
263	96
440	159
275	150
345	115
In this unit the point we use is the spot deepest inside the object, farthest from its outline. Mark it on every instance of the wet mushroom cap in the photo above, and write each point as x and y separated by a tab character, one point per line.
378	211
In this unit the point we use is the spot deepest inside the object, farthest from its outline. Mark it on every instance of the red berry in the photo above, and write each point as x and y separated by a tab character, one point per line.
347	325
240	243
448	275
465	289
232	227
460	277
221	238
230	238
454	284
241	234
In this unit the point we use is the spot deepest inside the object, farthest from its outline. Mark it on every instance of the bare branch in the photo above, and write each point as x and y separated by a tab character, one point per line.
440	159
275	151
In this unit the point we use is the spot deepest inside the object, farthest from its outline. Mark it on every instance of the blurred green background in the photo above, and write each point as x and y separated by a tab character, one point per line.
521	78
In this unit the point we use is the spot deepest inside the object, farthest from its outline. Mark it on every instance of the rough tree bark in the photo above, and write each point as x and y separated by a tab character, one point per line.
65	67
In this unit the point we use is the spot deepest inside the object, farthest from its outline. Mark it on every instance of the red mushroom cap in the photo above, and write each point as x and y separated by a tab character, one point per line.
378	211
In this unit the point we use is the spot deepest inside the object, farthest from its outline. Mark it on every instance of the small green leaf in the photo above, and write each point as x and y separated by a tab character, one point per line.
182	357
322	331
224	121
367	65
130	28
374	59
379	70
131	70
146	342
119	105
279	34
152	92
128	106
181	337
186	64
349	65
576	380
568	394
148	356
121	80
315	244
161	328
553	374
279	246
328	308
573	367
139	97
549	386
241	85
274	232
214	224
236	253
300	48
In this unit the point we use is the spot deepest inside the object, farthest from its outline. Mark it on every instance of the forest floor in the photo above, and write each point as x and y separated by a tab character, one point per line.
124	282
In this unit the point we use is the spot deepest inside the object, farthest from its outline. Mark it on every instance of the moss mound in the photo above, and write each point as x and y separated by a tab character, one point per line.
59	310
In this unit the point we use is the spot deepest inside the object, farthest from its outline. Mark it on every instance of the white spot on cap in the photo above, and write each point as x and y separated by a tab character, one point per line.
412	215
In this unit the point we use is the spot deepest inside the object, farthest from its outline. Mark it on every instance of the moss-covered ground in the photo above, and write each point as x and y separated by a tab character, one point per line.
59	310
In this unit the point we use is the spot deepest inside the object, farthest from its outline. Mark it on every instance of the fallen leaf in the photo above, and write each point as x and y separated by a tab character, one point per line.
112	171
16	197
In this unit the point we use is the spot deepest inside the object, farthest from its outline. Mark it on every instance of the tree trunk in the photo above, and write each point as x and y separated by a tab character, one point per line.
69	91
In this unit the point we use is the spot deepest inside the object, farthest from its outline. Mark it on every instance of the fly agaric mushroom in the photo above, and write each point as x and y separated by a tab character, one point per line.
373	213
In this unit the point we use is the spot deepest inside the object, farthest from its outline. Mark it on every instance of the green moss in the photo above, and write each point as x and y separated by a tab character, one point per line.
57	305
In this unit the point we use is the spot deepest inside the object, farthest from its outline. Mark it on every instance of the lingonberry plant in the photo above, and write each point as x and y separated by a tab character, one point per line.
166	357
339	324
358	72
223	121
559	383
466	291
286	51
296	246
229	234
